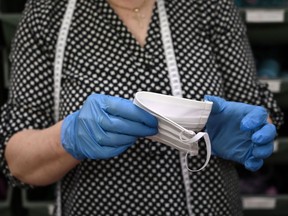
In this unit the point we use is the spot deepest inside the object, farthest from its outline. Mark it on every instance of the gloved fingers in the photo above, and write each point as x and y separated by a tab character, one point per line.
266	134
116	151
126	109
253	164
218	103
124	126
263	141
106	152
114	140
263	151
254	119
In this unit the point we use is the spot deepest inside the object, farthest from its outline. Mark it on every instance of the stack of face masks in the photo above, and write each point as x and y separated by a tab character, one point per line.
179	120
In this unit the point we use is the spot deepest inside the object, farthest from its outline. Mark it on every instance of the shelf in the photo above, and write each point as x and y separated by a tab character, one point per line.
11	18
265	15
38	197
265	205
263	24
9	24
280	152
280	89
276	85
281	144
46	204
4	204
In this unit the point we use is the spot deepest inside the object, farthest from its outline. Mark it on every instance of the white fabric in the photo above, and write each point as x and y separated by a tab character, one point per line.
178	119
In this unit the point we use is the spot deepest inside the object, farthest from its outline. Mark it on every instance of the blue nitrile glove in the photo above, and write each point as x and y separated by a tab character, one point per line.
104	127
240	132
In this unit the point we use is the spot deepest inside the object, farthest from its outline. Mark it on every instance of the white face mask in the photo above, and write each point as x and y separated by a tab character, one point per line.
178	118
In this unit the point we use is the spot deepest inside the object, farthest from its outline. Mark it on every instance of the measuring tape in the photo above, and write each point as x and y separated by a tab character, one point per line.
176	89
59	56
58	65
171	65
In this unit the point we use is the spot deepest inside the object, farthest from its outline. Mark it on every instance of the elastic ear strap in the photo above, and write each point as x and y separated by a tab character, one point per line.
208	149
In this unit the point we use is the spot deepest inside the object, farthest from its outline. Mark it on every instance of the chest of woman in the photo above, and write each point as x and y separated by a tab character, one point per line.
102	56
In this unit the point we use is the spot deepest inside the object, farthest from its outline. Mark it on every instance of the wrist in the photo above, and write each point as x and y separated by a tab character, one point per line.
57	145
67	136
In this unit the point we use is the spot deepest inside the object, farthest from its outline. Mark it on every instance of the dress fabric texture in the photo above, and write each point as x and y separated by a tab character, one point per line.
102	56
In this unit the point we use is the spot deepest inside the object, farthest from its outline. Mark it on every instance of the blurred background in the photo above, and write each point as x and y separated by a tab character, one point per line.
264	192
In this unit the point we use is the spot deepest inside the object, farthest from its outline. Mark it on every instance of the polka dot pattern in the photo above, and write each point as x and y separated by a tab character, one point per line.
102	56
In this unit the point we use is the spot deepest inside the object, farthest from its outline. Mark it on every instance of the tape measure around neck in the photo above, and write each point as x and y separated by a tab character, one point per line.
174	77
175	88
58	64
171	64
59	56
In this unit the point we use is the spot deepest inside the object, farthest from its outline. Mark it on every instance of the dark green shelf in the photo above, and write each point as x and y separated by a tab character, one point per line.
265	205
4	204
268	34
267	30
280	156
264	15
9	25
280	89
277	85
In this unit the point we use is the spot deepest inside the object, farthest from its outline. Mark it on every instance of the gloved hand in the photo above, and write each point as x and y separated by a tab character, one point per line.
240	132
104	127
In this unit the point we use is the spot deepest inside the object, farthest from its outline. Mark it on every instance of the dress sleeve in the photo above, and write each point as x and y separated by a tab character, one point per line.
235	61
30	101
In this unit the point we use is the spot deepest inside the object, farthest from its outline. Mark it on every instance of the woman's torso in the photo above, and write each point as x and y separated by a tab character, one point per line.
102	56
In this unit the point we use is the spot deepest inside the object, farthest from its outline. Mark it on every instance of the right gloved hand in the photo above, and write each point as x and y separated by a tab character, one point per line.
104	127
240	132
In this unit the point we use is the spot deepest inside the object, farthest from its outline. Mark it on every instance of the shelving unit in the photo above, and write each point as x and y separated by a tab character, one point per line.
277	86
265	205
37	201
265	27
264	24
269	27
4	204
45	204
280	89
280	153
9	22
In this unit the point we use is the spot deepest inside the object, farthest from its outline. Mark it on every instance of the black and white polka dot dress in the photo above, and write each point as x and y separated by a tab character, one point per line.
102	56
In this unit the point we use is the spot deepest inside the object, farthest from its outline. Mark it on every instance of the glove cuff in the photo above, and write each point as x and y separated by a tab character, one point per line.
68	139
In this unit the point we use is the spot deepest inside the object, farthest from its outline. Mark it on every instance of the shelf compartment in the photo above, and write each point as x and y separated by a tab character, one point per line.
280	89
4	204
39	199
276	85
280	152
9	25
266	26
265	205
264	15
261	3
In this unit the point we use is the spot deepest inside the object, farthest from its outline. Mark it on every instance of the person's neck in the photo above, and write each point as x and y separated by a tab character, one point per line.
128	4
135	17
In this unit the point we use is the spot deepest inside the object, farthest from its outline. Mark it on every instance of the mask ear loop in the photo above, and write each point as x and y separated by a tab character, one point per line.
192	141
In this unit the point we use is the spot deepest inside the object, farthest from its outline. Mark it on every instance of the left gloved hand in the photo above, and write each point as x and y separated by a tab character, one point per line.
104	127
240	132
